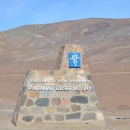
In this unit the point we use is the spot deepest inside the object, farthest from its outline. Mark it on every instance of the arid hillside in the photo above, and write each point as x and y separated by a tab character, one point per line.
104	41
107	47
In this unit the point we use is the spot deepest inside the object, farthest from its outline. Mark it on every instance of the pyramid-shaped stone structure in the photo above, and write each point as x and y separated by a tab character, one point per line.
63	95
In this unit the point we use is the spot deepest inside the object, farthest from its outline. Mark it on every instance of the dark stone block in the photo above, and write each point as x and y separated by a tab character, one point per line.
73	116
59	117
28	118
48	117
42	102
89	116
79	99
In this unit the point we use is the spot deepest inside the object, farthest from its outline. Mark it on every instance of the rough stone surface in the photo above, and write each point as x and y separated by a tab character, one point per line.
48	117
58	106
38	120
100	116
93	98
25	111
59	117
37	111
89	116
88	77
75	108
73	116
63	109
51	109
65	102
29	102
79	99
24	98
28	118
42	102
77	92
33	94
56	101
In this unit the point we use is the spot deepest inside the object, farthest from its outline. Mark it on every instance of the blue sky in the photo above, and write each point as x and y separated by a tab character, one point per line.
14	13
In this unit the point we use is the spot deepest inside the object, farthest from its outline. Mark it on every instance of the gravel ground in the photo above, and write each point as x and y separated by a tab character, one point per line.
113	123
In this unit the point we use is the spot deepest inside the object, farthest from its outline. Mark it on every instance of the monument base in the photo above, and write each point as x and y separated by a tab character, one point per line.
62	96
67	126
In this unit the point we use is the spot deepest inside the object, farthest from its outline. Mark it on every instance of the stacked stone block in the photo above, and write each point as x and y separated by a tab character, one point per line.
52	106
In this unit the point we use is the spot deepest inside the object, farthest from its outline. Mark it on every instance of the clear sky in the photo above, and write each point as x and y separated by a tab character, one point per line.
14	13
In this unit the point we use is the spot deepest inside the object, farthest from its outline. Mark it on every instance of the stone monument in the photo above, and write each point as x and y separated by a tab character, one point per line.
63	95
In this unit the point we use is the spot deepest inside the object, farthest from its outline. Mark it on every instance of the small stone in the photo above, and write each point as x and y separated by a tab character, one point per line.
15	117
79	77
48	117
65	102
88	77
37	111
65	66
93	98
86	92
86	68
59	117
42	102
89	116
79	99
73	116
98	106
38	119
24	98
17	107
100	116
84	60
24	90
62	72
28	118
62	109
24	111
77	92
92	87
33	94
90	108
55	101
51	72
75	108
45	72
81	72
71	71
19	118
29	102
50	109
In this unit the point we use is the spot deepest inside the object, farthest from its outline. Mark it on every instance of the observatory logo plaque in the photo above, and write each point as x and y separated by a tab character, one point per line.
63	95
74	60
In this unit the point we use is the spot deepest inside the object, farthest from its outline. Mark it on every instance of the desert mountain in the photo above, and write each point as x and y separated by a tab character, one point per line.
104	41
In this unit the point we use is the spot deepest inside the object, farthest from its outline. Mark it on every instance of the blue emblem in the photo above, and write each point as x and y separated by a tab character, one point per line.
74	60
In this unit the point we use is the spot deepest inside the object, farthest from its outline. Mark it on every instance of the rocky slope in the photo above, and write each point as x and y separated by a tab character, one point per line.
104	41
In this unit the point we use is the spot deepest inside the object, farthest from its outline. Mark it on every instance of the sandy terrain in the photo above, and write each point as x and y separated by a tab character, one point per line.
111	82
106	44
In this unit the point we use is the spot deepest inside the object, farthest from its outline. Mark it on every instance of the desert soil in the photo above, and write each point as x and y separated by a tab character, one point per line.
112	86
